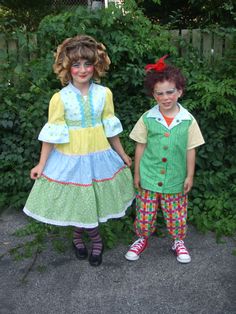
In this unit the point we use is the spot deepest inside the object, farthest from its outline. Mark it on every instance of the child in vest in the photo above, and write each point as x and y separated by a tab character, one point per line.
166	137
83	175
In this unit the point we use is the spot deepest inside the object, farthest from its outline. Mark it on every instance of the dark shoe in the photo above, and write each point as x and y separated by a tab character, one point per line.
95	260
81	253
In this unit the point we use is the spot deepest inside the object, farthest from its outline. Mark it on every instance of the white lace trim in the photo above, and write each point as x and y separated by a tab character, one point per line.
74	223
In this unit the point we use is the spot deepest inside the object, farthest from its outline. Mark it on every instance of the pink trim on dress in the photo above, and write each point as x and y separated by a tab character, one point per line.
89	184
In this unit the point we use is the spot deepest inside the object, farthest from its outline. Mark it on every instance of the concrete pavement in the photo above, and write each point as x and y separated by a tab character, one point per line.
156	283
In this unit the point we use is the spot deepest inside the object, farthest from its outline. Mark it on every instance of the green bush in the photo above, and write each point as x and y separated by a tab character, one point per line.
132	41
211	96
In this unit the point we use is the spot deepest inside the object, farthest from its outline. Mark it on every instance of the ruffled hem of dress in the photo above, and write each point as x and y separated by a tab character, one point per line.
76	224
83	170
83	204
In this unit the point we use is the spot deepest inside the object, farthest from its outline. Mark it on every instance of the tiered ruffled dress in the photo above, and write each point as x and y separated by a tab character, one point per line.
84	181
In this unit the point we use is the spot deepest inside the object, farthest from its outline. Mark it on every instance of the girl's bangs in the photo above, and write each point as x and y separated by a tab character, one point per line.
82	53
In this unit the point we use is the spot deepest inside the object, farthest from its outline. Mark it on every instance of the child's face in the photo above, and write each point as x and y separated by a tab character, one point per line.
166	95
81	72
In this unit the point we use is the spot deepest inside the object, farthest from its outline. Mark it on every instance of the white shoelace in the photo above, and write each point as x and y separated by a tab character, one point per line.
180	247
137	245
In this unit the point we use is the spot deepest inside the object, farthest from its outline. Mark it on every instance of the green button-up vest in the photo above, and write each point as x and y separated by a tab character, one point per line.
163	164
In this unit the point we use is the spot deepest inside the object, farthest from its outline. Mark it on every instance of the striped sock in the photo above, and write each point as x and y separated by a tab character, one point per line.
77	238
96	240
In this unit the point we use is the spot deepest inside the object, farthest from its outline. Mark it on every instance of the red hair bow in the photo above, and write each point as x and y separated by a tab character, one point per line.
158	66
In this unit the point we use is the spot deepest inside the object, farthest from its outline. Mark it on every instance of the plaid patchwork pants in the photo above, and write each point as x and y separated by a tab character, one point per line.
173	206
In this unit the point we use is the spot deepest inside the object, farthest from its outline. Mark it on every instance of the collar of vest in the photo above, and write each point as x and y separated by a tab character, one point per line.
183	114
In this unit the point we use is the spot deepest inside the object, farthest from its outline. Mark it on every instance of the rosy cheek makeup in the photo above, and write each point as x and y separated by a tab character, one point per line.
74	71
90	68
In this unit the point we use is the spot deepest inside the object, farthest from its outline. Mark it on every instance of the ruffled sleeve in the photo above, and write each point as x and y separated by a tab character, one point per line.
111	123
55	131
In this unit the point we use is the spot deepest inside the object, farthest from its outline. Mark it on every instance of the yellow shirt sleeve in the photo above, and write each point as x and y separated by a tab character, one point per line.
112	125
139	132
108	111
195	137
55	131
56	110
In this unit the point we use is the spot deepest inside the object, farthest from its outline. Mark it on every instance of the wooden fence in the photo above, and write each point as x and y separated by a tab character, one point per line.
17	48
208	44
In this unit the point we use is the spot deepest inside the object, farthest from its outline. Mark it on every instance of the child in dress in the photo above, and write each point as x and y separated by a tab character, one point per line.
83	175
166	137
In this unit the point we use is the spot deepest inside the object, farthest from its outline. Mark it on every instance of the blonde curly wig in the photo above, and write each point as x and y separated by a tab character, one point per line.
80	47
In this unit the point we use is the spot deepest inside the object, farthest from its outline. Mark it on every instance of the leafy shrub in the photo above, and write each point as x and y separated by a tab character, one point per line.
212	96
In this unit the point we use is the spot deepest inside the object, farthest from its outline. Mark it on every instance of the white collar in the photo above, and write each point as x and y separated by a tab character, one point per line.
183	114
76	90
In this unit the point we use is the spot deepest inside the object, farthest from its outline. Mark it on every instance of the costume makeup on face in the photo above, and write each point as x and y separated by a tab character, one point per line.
167	92
82	72
82	66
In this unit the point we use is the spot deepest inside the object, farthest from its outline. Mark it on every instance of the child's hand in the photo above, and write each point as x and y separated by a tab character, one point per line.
127	160
36	172
188	183
137	182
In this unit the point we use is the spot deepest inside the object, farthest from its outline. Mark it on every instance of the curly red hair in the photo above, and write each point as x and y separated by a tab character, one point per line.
169	73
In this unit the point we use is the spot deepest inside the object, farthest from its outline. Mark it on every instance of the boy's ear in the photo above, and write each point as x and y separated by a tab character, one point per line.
180	92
